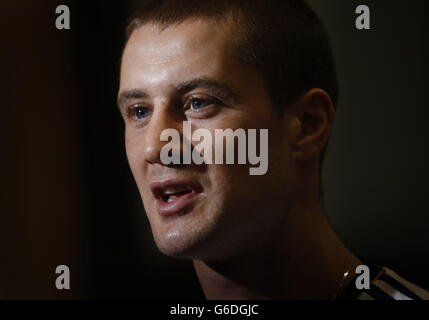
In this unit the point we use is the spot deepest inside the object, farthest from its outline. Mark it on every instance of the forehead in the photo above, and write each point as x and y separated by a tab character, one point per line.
181	48
150	39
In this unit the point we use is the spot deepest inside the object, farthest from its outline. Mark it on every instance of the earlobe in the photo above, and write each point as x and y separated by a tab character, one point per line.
315	112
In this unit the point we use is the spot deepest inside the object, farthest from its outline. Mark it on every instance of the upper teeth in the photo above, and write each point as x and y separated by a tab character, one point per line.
170	191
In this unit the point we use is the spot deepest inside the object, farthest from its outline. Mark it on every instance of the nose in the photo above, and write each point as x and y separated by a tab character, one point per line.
161	119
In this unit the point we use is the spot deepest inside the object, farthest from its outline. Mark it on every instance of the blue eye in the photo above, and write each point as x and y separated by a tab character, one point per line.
141	112
198	104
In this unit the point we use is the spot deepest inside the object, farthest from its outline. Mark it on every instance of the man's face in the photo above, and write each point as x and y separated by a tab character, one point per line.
189	72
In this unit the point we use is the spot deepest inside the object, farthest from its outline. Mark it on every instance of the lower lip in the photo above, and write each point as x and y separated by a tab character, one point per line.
177	205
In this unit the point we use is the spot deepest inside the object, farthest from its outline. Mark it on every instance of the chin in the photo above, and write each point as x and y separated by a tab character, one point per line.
177	248
184	244
191	235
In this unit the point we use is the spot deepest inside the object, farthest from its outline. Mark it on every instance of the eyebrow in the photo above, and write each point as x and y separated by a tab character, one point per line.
130	95
222	90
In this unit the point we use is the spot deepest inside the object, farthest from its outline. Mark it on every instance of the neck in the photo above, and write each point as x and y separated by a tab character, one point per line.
305	261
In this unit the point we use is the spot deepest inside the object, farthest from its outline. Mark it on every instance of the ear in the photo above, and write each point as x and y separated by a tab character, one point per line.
315	114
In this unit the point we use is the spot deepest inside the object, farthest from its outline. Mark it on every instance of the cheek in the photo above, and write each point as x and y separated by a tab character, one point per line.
134	151
229	185
132	148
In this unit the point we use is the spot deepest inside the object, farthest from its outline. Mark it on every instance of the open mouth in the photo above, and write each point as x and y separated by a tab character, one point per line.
174	196
171	195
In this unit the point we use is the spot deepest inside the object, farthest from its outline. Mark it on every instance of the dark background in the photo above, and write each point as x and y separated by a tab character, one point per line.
68	196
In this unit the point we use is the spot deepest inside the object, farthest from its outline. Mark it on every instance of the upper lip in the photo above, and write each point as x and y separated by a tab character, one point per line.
158	187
